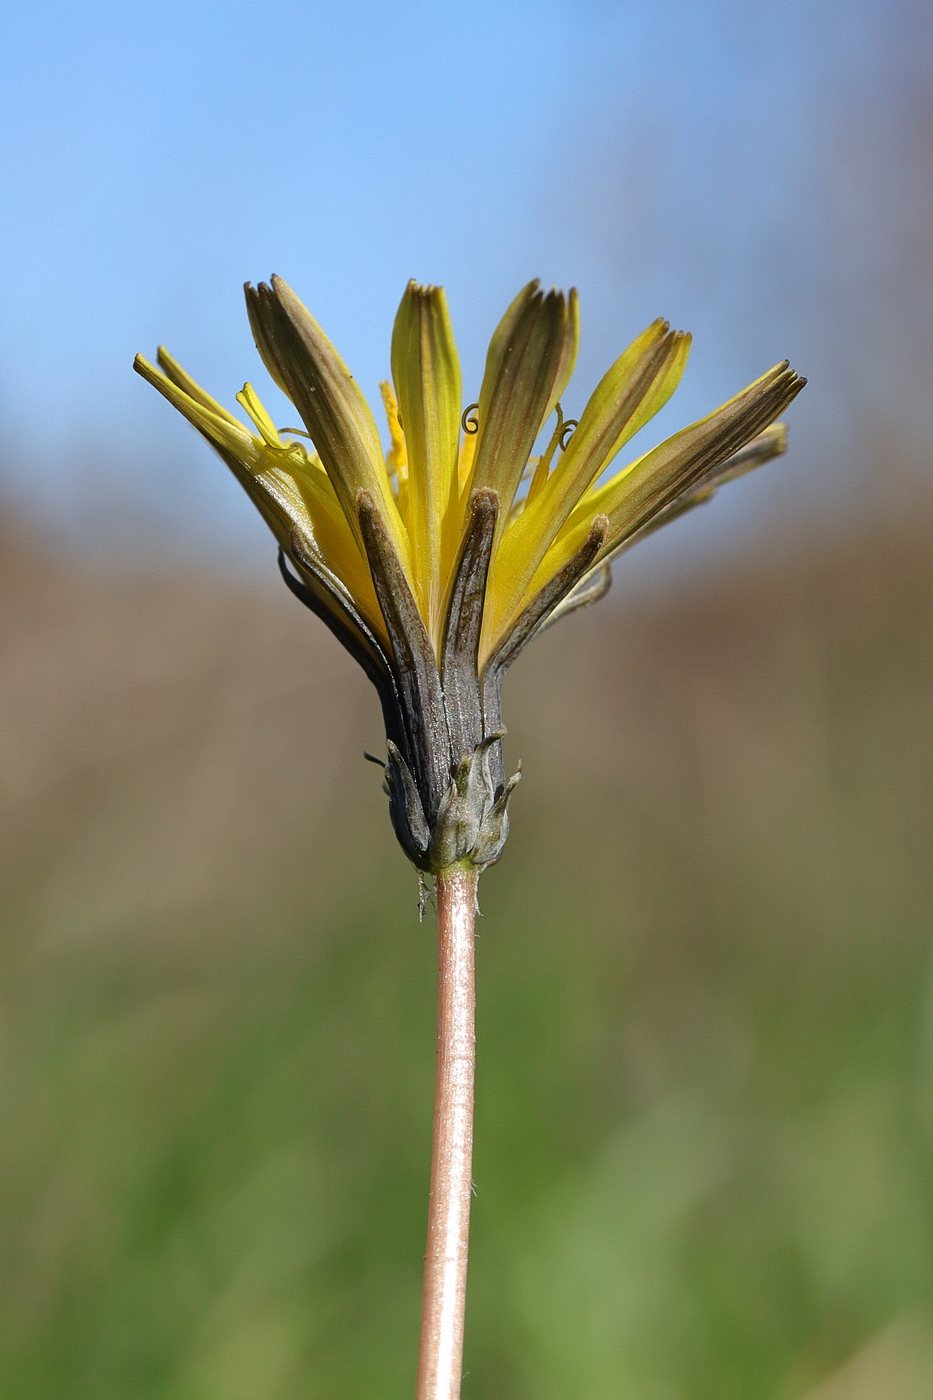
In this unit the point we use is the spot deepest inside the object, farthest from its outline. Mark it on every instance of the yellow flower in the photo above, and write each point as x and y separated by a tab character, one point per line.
435	563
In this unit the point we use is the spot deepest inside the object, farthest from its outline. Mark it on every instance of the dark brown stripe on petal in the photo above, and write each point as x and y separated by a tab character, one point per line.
415	666
530	355
333	409
766	446
716	441
464	623
260	336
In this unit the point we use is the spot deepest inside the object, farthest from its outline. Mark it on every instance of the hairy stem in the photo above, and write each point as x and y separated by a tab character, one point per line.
445	1266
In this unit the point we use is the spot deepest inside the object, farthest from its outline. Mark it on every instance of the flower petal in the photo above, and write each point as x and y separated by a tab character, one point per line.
260	338
639	493
228	436
763	448
316	502
530	360
286	491
426	372
217	425
182	379
329	400
596	584
498	653
632	391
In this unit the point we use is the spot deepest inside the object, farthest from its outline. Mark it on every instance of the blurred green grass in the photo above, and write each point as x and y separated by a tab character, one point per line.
704	1120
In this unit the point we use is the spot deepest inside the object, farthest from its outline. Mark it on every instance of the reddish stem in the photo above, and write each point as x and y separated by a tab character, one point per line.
440	1360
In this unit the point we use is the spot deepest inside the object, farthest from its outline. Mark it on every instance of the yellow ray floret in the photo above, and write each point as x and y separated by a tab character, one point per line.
652	483
290	488
423	491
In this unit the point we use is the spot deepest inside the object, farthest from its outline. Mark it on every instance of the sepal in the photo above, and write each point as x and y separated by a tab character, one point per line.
405	809
472	821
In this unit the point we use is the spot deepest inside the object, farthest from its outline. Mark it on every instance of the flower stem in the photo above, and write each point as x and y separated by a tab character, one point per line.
440	1358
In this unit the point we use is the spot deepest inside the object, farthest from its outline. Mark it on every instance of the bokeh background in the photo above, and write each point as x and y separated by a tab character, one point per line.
705	1115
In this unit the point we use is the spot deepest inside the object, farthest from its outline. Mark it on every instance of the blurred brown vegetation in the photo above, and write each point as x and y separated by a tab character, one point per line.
704	1138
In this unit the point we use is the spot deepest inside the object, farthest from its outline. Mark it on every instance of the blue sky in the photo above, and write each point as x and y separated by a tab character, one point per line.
684	159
